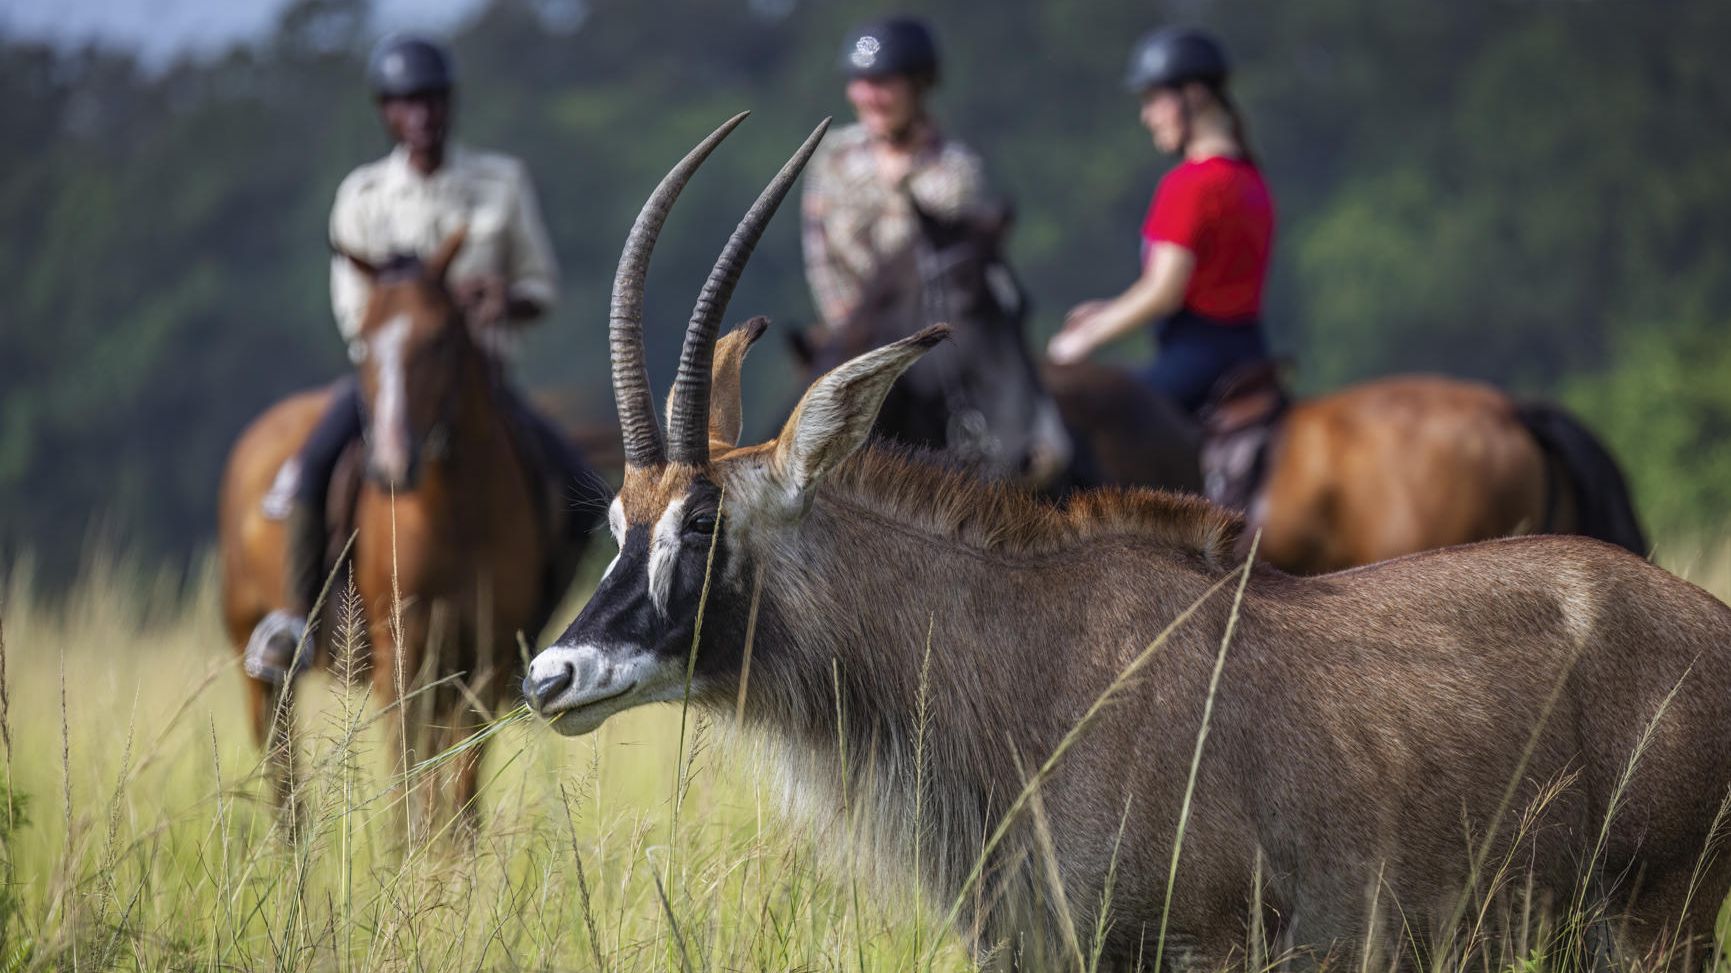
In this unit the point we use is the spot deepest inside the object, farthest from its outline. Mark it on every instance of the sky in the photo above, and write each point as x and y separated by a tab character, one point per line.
161	29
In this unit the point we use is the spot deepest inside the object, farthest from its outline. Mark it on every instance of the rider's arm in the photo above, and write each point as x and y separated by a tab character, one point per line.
349	290
1156	294
532	275
833	288
954	186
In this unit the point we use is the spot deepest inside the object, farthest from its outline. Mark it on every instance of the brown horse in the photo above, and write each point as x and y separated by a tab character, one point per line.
1127	434
452	548
1406	464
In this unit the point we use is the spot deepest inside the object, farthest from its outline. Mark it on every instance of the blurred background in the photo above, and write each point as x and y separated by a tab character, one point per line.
1533	192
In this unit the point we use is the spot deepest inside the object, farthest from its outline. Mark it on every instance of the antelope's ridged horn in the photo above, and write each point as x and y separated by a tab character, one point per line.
688	406
637	425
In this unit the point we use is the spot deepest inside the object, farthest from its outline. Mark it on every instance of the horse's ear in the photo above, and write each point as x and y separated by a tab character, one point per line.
838	411
439	264
726	413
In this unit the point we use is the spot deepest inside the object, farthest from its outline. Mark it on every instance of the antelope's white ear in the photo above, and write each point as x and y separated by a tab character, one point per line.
837	412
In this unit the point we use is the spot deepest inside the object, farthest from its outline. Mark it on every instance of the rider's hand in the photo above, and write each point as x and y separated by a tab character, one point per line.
1075	340
895	166
482	299
1068	347
1082	312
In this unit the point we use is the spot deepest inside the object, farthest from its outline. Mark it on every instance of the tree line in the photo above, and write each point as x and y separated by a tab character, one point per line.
1531	192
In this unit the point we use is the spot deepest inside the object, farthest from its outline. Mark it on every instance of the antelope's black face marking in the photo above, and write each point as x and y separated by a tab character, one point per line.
631	642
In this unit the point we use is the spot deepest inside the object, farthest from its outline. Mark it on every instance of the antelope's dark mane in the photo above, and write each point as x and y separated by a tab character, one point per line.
917	489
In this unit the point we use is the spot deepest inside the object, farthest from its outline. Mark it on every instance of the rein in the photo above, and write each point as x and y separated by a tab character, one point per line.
435	441
967	433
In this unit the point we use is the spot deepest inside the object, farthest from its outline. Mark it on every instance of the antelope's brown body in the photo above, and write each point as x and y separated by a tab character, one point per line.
911	645
1367	728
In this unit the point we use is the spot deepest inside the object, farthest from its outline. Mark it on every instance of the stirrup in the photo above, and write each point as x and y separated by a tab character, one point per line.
273	653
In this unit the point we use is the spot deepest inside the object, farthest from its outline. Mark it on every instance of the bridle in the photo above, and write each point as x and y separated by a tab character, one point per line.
435	441
966	433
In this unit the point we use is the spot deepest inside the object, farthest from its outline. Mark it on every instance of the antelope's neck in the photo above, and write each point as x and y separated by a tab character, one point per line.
892	701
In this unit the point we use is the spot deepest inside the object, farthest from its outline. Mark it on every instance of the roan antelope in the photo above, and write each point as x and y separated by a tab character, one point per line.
1378	737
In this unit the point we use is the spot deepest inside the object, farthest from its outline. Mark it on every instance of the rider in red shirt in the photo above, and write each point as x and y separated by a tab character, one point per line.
1207	236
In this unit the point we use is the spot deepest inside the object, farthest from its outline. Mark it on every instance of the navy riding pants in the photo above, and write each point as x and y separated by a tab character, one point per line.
1194	352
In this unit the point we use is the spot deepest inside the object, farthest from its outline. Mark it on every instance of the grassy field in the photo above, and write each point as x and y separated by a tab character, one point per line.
137	834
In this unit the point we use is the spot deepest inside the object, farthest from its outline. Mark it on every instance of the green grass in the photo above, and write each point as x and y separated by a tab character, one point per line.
138	836
149	843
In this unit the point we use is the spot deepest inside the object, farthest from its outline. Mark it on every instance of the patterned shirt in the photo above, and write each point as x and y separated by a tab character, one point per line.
854	220
388	207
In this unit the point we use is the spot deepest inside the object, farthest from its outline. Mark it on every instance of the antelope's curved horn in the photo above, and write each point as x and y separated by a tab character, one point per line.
637	425
688	406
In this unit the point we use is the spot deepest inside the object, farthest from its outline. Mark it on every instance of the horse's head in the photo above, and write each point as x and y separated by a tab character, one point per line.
408	351
978	397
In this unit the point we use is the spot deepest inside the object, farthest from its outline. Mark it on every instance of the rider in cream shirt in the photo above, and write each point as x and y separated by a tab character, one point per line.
390	207
402	207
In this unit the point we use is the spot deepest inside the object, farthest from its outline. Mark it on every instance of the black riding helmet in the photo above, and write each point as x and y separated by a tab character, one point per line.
1173	56
404	64
893	46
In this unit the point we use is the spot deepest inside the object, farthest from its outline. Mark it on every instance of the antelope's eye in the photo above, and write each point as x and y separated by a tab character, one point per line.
703	523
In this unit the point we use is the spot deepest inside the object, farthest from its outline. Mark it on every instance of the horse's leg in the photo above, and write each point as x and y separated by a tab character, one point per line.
460	723
399	683
468	713
272	710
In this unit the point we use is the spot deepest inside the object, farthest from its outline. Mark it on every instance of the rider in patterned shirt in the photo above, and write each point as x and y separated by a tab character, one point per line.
862	186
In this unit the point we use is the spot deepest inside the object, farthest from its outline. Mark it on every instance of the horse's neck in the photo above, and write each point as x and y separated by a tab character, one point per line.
478	475
483	457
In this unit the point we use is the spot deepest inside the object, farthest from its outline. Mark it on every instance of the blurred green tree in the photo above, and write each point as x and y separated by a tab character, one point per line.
1525	191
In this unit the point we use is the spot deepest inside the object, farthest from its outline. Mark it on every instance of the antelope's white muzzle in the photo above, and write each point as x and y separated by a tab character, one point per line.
575	688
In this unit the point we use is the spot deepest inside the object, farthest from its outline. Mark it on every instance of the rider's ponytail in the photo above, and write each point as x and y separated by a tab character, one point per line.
1240	133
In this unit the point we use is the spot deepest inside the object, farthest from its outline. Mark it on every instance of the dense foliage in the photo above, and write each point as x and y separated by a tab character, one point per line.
1529	192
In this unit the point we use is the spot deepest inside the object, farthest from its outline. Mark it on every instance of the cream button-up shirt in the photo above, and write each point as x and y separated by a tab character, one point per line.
387	208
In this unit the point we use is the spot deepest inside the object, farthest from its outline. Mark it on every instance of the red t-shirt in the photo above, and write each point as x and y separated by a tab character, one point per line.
1220	210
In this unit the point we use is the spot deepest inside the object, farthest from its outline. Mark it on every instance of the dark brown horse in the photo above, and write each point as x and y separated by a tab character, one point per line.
453	550
1406	464
981	399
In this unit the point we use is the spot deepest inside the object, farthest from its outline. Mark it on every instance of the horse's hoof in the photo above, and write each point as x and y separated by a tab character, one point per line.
274	653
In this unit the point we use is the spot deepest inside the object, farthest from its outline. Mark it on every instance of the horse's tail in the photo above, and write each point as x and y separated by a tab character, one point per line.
1601	495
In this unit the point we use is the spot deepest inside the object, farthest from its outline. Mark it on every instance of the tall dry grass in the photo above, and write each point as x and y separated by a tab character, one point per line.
138	834
147	840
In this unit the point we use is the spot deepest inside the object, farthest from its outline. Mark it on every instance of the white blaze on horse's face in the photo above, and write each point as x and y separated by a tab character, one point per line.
390	426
